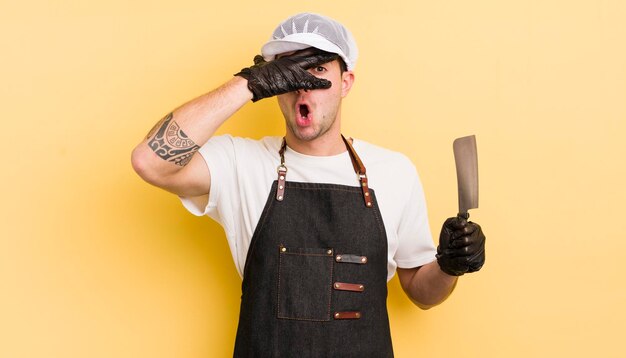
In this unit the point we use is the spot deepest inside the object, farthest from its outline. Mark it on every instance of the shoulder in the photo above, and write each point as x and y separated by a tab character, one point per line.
380	158
392	174
268	142
241	144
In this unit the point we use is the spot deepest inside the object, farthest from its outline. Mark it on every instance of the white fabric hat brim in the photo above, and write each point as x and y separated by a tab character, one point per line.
300	41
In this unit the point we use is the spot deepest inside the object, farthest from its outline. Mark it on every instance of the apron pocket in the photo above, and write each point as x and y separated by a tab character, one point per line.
305	283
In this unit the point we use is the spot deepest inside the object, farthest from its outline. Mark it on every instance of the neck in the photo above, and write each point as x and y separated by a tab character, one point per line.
326	145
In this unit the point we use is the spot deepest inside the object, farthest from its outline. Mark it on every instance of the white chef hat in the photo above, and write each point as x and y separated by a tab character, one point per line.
312	30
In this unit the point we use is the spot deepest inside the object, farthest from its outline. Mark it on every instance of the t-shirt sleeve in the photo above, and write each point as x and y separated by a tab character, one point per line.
415	243
219	154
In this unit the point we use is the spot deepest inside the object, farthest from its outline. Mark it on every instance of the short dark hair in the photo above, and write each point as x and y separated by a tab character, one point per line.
342	65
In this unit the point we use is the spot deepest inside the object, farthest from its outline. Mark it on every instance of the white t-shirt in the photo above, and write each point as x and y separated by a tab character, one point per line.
242	172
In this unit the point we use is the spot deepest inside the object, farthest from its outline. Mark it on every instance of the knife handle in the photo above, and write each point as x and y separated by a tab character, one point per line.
464	215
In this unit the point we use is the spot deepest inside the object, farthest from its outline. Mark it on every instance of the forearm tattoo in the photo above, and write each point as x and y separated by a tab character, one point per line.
170	143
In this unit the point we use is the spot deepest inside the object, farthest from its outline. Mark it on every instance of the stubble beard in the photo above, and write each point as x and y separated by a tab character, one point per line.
309	136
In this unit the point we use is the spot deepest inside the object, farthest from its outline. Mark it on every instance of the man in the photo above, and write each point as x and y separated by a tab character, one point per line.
315	243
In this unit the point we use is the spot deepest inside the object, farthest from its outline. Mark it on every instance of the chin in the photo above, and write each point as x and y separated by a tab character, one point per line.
306	137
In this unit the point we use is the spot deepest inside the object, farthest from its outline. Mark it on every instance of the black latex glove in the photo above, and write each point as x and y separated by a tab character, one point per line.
461	247
285	74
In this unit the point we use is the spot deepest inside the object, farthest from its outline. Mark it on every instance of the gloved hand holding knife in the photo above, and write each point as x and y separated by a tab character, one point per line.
461	242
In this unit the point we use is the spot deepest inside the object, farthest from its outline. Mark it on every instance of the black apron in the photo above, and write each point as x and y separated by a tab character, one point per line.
315	277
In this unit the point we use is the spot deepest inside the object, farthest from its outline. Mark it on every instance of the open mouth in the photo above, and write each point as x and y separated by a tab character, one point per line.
304	110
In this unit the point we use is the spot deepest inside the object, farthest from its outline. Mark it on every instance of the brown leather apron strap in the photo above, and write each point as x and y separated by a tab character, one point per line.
353	287
357	164
353	259
282	172
347	315
360	171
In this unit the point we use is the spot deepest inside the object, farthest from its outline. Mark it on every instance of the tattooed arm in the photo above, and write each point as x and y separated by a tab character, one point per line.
170	143
165	158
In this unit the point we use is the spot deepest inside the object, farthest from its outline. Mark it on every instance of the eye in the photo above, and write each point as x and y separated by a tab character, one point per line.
320	69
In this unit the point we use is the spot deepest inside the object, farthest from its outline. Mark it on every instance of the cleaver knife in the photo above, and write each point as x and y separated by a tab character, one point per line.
466	160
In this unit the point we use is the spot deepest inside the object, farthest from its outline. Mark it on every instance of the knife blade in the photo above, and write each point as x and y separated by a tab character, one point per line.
466	160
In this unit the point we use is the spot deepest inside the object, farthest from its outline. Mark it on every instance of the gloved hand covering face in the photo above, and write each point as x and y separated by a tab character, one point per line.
285	74
461	247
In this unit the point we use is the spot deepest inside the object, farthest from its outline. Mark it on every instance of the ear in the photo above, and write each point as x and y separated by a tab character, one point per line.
347	79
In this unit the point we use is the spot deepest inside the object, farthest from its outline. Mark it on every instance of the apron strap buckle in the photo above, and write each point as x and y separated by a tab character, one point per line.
366	190
282	174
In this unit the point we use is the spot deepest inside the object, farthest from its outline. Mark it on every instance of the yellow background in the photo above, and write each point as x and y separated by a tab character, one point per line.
96	263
